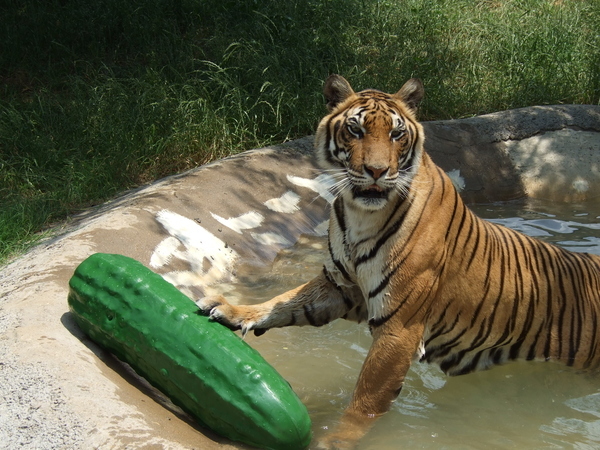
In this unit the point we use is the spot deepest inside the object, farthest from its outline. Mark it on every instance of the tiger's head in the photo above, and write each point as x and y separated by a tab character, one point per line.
370	142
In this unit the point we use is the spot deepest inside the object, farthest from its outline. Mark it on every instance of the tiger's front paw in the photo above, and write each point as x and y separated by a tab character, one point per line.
219	310
335	442
348	432
207	304
233	317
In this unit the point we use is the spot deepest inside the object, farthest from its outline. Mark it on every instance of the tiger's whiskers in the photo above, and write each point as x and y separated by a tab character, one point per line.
340	186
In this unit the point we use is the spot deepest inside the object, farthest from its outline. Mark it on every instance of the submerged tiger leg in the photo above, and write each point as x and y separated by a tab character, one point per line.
379	383
315	303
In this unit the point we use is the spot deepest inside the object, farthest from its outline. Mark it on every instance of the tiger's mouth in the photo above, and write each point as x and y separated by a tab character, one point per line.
372	192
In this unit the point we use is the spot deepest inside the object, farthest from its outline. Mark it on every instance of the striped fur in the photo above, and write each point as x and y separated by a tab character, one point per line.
434	282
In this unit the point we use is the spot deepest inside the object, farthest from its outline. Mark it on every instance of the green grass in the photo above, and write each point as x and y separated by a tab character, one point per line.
98	97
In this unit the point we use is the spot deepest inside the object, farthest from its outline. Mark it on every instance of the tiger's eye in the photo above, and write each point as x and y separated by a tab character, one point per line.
396	134
355	129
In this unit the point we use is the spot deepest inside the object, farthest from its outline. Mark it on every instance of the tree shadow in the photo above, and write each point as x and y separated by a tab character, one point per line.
489	151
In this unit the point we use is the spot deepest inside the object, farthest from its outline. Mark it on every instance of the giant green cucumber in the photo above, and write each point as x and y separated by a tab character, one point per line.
204	368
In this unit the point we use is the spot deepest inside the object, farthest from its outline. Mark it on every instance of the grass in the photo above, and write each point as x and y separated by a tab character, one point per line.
98	97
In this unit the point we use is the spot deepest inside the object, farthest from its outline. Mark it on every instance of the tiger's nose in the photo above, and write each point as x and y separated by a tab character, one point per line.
376	172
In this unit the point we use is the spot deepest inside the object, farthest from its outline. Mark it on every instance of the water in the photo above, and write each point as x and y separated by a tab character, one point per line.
518	405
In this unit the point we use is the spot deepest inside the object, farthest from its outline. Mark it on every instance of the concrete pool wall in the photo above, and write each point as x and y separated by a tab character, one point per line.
60	390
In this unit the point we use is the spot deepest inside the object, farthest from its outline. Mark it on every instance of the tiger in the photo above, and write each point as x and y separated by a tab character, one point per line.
434	282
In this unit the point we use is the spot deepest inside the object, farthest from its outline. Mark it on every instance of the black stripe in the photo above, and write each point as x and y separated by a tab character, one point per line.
340	215
591	287
458	232
444	349
377	322
397	205
532	353
382	285
451	362
329	137
502	279
561	302
420	303
308	313
381	241
438	329
338	264
474	228
292	320
470	367
486	291
407	159
443	178
347	301
518	279
483	333
486	234
358	311
592	348
496	355
338	207
328	277
548	272
575	272
374	323
386	279
535	278
456	201
526	329
572	343
516	347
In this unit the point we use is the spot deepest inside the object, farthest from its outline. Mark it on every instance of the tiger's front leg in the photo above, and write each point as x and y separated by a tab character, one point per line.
379	383
315	303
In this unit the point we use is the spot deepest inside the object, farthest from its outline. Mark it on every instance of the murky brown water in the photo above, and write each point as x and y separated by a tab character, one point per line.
519	405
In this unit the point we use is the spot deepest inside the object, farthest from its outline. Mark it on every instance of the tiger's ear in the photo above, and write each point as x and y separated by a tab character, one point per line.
411	93
336	90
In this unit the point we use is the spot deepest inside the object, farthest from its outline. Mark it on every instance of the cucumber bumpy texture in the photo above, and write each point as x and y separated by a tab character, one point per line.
203	367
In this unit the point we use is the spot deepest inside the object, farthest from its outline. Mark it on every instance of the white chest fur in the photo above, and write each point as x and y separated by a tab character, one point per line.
360	246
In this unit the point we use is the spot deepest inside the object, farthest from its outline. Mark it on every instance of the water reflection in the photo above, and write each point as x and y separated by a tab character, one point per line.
586	432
